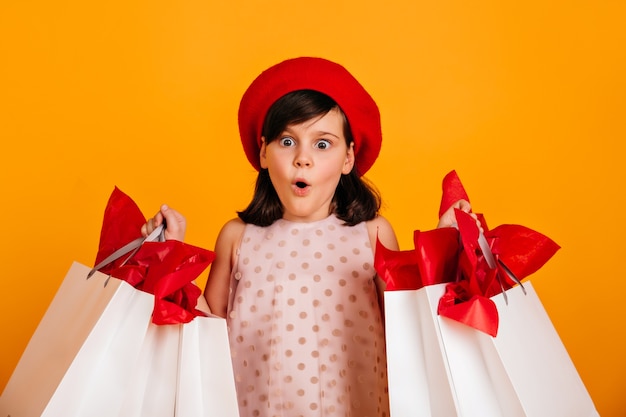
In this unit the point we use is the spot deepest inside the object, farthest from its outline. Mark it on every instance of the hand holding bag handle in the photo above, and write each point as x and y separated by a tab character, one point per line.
157	235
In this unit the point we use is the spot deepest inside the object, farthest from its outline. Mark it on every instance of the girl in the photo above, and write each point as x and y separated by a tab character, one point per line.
293	274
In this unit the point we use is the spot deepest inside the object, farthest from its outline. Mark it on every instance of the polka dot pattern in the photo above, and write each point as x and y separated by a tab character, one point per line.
304	325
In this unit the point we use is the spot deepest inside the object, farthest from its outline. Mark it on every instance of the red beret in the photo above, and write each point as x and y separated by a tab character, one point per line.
317	74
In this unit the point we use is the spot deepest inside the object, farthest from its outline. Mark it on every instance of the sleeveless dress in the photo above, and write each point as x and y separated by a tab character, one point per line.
305	328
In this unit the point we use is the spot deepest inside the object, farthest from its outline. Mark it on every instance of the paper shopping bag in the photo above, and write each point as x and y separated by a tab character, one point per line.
440	367
464	336
150	388
417	371
112	346
96	352
524	371
206	383
82	351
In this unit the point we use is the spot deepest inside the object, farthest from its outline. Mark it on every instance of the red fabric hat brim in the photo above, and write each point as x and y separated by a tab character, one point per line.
306	73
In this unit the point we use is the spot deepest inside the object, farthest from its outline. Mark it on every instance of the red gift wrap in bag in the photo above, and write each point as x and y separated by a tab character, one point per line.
509	253
446	303
164	269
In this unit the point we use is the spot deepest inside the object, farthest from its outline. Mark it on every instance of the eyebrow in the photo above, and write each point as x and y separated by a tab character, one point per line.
317	132
324	133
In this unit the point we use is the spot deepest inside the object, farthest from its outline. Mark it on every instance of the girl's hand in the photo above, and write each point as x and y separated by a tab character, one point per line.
448	219
176	224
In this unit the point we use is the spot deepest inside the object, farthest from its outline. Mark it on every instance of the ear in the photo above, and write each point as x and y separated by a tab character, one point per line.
262	157
349	162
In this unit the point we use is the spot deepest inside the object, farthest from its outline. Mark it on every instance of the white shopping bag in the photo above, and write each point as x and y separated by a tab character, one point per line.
63	370
206	383
97	353
440	367
150	388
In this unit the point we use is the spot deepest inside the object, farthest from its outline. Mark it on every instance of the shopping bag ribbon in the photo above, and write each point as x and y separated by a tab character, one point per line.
165	269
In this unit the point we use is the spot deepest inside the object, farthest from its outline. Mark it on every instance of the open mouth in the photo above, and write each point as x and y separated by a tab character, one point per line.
301	188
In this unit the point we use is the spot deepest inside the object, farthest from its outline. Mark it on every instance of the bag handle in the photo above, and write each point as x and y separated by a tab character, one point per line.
486	250
157	235
491	262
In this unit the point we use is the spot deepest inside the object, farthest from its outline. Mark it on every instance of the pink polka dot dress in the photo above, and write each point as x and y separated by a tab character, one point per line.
305	328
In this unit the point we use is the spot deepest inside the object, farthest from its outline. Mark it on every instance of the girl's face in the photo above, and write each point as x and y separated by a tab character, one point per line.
305	164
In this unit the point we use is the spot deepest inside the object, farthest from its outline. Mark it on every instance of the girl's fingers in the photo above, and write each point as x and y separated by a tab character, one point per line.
464	205
151	224
449	219
176	223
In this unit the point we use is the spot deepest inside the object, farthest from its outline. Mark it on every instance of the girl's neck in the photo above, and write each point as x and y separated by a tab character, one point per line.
290	219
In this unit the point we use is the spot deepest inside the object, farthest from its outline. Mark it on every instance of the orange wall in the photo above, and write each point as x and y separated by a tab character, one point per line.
526	100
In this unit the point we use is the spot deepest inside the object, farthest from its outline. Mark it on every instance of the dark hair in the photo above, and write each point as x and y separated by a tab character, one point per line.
355	199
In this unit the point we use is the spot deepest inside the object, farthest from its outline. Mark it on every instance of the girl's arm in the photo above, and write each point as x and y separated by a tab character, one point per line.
217	287
381	229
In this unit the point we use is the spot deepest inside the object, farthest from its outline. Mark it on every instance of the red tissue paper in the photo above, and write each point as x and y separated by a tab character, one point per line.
165	269
454	256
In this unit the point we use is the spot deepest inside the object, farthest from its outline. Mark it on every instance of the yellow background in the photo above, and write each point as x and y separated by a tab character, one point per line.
526	100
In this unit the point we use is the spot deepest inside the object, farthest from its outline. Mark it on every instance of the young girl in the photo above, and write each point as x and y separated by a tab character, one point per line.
293	274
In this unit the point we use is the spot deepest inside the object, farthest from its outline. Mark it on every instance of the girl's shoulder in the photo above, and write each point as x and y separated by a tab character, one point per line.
379	228
234	225
231	232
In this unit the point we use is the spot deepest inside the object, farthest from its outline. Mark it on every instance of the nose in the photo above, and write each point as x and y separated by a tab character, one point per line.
302	159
